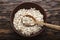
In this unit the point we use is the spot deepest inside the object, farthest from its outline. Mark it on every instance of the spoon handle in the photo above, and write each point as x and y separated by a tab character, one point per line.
49	25
42	23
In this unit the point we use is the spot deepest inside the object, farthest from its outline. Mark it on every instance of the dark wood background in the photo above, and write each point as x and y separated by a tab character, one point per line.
52	8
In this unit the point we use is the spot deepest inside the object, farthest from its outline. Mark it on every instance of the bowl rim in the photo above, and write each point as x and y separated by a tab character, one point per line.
14	11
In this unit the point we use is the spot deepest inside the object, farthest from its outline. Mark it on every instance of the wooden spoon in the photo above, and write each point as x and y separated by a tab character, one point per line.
57	27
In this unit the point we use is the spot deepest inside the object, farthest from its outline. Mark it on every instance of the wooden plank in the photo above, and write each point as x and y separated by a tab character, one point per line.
5	31
4	13
56	0
10	3
4	18
56	8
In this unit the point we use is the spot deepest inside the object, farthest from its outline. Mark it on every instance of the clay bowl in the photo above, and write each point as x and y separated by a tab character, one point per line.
27	5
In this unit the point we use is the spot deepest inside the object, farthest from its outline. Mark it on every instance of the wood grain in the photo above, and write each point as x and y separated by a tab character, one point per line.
6	8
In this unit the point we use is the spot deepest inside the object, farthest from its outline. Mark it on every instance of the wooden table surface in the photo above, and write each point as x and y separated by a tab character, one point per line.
52	8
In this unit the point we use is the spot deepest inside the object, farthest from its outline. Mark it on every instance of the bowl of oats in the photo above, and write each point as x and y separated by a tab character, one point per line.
23	23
